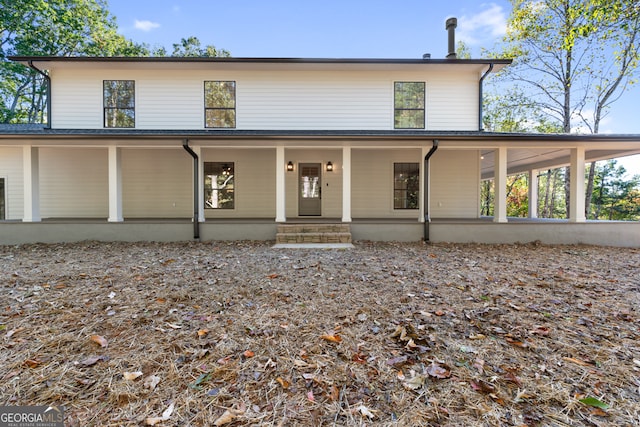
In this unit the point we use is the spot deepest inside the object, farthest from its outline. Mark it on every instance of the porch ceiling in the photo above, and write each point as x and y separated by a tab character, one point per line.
525	151
521	160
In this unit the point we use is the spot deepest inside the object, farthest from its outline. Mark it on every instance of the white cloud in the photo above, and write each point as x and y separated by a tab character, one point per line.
487	25
145	25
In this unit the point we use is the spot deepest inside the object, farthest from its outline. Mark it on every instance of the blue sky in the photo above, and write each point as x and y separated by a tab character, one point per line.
312	28
335	29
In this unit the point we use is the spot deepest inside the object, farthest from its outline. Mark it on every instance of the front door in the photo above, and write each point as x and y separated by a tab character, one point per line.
310	191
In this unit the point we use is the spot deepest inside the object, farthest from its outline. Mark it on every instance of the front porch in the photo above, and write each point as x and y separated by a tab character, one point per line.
484	230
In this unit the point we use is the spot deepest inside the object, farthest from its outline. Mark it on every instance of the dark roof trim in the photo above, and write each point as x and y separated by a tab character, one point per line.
173	59
13	131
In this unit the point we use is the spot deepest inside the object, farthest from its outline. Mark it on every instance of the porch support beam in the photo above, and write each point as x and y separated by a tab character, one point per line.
115	185
280	185
31	179
500	173
346	184
577	190
533	193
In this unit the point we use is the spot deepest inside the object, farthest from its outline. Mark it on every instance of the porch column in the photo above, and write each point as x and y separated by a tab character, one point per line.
198	150
577	190
115	185
500	175
346	184
533	193
31	178
280	185
423	191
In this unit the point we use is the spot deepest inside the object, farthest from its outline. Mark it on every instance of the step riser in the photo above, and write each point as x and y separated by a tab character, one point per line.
313	233
322	228
313	238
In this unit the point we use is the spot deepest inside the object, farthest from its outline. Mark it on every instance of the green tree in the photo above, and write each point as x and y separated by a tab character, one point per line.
50	27
62	28
571	57
517	196
191	46
614	197
551	194
487	197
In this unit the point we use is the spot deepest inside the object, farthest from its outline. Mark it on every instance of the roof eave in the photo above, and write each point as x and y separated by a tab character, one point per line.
266	60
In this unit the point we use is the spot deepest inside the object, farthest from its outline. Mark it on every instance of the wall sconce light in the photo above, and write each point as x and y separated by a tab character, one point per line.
289	166
329	167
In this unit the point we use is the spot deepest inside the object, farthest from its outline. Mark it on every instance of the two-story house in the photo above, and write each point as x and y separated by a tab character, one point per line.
230	148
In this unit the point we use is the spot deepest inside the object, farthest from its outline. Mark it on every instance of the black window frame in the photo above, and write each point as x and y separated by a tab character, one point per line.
118	106
398	111
407	196
223	167
218	108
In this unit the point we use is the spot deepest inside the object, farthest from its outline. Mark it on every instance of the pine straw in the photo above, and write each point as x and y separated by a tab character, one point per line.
519	333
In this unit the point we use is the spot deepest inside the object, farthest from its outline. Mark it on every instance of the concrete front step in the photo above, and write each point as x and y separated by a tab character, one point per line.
314	228
313	233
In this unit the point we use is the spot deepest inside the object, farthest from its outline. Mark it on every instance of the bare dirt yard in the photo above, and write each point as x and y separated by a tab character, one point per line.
385	334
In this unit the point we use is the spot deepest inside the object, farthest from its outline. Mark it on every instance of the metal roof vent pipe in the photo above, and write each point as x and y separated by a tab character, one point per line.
451	25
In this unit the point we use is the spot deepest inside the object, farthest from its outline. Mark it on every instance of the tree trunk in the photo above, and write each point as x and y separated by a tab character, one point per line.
567	82
552	198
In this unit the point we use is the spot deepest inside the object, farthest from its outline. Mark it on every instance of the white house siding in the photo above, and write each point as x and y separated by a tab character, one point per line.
340	100
331	182
76	99
372	182
455	184
313	100
11	171
166	103
74	183
254	182
452	102
157	183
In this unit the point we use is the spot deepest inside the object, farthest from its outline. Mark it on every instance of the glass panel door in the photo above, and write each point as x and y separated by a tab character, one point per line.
310	190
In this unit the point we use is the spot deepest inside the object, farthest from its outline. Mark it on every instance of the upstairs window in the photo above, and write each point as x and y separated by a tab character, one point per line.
406	185
220	104
409	105
119	103
219	188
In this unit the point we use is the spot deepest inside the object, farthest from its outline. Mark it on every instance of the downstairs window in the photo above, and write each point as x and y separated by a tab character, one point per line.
219	188
406	185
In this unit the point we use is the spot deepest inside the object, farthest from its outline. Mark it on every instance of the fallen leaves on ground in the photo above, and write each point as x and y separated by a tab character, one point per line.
164	417
238	333
331	338
101	341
